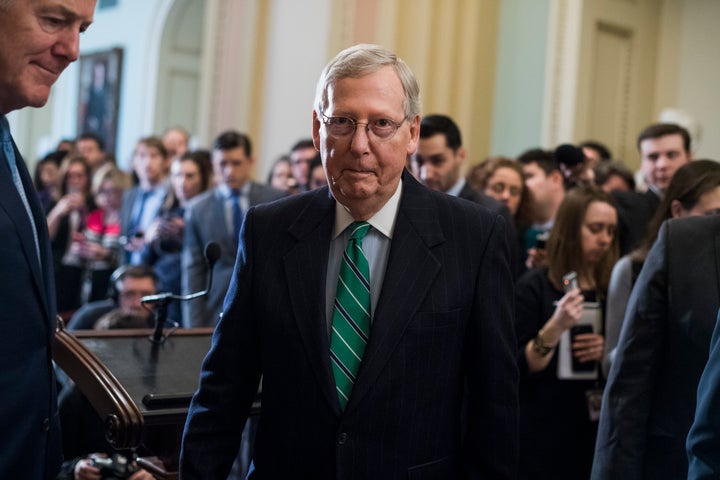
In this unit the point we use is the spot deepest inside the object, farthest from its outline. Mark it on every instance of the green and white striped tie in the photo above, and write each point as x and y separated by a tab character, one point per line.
351	314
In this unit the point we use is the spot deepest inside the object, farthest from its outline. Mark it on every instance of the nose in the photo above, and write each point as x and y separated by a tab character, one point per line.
360	141
427	172
605	238
661	162
68	45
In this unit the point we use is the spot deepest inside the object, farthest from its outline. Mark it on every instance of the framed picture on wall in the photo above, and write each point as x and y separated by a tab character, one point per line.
99	97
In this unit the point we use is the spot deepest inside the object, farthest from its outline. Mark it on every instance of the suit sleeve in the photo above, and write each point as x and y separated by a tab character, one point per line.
491	440
617	301
194	273
622	433
703	443
229	379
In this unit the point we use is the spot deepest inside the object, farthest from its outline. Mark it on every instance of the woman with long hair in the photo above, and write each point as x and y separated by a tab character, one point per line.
66	221
190	175
557	433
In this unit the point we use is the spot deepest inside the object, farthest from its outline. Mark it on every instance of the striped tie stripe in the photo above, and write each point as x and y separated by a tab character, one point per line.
351	314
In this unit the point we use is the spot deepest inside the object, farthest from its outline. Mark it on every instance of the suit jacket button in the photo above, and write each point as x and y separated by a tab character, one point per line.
46	424
342	438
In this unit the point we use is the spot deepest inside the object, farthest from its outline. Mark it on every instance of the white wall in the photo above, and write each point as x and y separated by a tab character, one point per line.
297	53
698	85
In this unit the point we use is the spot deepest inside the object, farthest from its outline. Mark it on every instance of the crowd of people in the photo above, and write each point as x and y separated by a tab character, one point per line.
571	209
543	317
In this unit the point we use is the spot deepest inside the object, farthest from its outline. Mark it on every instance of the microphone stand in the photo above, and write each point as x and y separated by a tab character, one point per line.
161	300
161	303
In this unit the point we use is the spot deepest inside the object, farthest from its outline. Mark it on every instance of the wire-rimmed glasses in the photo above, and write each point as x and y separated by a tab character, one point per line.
382	129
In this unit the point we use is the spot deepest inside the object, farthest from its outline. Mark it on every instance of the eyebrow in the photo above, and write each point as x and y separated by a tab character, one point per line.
62	10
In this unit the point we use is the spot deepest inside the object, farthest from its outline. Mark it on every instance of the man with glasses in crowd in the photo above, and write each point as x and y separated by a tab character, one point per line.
373	312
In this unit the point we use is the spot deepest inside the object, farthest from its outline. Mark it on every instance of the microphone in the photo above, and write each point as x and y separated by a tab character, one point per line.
211	254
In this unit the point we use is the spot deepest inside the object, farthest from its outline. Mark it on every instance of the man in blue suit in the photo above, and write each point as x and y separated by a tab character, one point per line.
346	396
38	39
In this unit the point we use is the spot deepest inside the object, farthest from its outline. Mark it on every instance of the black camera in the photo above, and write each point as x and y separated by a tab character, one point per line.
116	467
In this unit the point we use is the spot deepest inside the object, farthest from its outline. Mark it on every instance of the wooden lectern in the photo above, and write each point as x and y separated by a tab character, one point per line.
141	389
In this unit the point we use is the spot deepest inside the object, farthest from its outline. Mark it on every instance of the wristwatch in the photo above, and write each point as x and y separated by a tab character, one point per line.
539	344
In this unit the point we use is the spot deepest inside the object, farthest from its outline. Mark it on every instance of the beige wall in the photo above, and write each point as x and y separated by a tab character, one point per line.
692	47
611	67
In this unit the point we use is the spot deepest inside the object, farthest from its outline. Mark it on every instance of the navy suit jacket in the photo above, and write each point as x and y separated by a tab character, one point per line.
516	258
635	210
30	439
703	443
442	333
649	400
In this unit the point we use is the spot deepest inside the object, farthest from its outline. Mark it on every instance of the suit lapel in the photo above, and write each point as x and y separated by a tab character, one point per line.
14	208
305	270
411	270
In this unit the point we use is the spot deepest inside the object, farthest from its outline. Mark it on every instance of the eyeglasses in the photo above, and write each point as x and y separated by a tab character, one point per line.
381	129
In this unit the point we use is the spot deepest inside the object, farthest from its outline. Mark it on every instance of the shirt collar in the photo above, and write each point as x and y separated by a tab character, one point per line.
160	188
226	192
457	188
383	221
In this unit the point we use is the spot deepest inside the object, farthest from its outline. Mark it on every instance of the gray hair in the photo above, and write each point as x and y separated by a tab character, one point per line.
364	59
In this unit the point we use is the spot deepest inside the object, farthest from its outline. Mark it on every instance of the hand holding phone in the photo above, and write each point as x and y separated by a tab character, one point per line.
570	281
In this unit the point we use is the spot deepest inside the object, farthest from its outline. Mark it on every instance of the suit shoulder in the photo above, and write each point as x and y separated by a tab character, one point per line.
201	201
457	208
684	230
265	193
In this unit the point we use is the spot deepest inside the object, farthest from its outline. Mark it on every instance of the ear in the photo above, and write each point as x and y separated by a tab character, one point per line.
414	135
676	209
316	130
557	177
461	155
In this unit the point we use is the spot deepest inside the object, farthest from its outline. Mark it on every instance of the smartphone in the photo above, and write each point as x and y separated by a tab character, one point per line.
577	366
569	281
541	240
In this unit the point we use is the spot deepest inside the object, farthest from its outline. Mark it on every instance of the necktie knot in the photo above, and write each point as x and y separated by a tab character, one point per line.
235	194
4	129
358	230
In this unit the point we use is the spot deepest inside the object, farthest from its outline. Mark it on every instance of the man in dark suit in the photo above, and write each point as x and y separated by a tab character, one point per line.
38	39
649	400
216	216
440	158
436	287
663	147
439	161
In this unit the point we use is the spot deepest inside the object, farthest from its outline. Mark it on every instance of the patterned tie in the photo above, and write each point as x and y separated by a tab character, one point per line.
9	153
236	212
351	314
